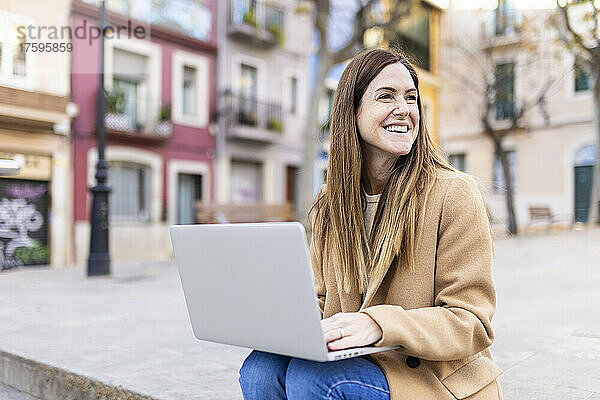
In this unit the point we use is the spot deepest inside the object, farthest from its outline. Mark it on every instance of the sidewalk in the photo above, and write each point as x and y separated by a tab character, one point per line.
128	336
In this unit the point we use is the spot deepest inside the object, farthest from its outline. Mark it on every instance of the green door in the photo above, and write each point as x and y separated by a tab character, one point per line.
583	189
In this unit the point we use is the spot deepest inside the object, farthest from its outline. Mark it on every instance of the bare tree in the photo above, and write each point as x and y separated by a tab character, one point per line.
500	114
368	14
577	25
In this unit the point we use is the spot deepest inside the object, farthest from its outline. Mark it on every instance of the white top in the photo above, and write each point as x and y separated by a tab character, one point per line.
372	201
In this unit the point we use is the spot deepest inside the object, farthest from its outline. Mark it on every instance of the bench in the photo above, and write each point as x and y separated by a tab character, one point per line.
233	213
541	213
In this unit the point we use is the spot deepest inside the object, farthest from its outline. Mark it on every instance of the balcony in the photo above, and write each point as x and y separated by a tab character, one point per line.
504	31
256	22
187	17
134	118
248	119
505	110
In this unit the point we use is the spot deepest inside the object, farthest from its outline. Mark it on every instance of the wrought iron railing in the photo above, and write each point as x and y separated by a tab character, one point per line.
136	116
256	13
505	109
248	111
188	17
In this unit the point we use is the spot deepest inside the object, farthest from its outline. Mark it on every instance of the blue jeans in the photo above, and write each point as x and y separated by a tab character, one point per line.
266	376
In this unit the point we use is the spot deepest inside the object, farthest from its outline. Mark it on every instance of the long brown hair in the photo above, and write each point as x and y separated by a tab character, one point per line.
338	224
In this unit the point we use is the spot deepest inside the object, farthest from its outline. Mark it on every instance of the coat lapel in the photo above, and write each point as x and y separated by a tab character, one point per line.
374	284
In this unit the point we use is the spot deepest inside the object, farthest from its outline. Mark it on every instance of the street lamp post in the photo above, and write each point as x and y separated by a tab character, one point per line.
99	258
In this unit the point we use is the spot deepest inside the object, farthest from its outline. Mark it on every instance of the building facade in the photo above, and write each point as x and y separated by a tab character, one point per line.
35	128
552	151
160	64
263	76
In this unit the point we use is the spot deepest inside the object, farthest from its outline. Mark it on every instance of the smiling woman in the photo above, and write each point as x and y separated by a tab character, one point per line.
401	252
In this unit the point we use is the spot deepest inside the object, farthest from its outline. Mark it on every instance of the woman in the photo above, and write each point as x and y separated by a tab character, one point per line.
401	250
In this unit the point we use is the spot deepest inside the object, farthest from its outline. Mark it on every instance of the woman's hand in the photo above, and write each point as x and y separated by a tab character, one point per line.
357	329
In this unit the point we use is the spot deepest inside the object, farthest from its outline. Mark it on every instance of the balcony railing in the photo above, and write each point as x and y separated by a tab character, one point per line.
187	17
249	119
505	110
249	111
134	117
256	21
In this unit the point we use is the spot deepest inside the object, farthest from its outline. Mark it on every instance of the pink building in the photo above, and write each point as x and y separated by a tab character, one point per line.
160	90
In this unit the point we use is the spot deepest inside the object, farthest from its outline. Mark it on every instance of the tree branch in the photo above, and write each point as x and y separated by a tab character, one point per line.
577	38
595	16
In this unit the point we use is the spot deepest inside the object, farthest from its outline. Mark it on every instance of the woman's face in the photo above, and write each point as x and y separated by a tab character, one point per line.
388	115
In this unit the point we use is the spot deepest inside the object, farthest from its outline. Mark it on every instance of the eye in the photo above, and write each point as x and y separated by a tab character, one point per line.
385	96
411	98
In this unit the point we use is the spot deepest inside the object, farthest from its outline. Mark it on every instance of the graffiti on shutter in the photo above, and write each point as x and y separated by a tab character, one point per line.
23	223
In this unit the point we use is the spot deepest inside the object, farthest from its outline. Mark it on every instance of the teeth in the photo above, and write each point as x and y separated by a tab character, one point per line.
397	128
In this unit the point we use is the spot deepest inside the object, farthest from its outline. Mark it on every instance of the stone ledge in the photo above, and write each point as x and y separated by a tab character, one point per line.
52	383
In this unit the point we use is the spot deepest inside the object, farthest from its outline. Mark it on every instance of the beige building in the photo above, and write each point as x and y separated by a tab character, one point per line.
551	152
262	80
35	125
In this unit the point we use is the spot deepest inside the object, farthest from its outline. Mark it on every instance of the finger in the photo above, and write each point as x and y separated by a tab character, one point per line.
344	343
333	334
330	336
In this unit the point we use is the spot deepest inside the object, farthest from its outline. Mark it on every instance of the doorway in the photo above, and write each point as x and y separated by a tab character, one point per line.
189	190
584	174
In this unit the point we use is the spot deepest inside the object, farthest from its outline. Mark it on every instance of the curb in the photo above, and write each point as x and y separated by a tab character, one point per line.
52	383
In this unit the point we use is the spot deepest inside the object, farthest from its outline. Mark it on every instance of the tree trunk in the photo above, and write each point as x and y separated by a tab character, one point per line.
311	132
512	221
595	193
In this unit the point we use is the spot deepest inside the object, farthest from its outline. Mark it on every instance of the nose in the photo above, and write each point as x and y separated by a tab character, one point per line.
401	110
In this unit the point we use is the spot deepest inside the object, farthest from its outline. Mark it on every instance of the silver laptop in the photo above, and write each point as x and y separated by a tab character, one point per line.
251	285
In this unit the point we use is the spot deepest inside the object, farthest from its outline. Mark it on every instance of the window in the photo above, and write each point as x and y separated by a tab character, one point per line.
499	182
130	195
504	17
15	62
248	93
505	90
413	34
19	56
582	76
458	161
248	81
130	80
293	94
189	91
129	91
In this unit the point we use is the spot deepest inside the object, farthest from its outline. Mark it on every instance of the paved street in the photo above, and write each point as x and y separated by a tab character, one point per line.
8	393
131	329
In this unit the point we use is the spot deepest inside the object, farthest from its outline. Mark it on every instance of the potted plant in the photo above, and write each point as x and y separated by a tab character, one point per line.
277	32
249	18
247	118
275	124
115	117
164	126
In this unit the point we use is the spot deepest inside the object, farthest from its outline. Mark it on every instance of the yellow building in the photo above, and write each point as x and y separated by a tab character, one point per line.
418	36
35	123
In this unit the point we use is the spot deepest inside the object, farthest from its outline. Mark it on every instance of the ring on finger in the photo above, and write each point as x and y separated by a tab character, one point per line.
340	333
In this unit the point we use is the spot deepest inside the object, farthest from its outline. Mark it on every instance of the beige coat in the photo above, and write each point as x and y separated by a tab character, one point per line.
441	314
